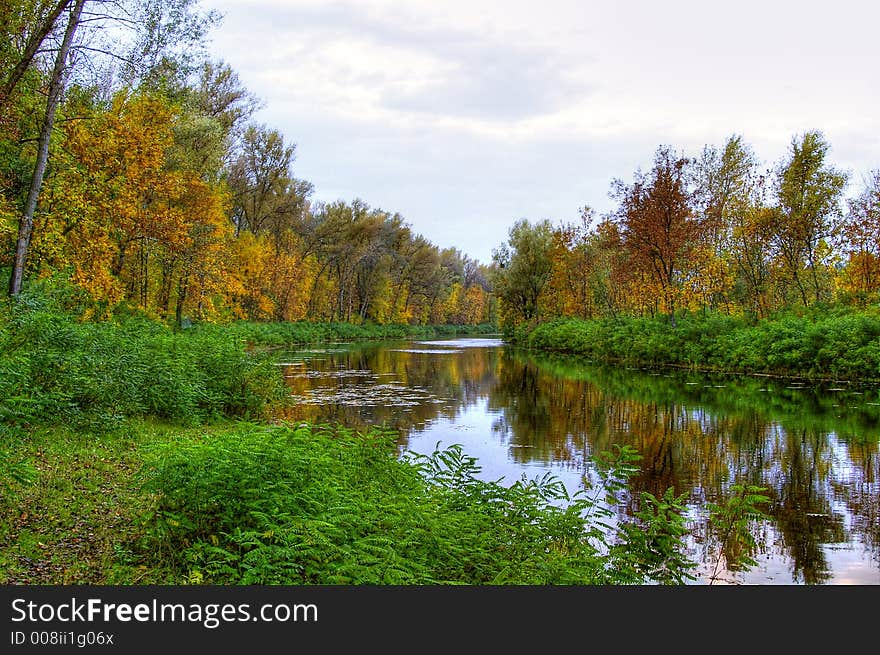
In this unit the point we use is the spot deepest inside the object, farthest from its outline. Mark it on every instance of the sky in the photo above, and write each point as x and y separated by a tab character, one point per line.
464	116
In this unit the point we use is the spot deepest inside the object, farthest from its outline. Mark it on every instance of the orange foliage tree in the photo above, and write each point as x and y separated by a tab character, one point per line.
658	225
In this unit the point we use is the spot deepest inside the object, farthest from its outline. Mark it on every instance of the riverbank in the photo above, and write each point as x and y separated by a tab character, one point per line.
833	343
138	454
240	503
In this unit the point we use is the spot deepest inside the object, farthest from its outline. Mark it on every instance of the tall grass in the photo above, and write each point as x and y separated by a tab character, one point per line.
55	367
832	342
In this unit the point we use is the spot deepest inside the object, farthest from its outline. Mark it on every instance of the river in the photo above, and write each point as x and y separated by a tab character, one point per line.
812	446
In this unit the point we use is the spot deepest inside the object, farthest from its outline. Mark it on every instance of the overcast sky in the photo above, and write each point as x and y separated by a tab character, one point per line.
466	115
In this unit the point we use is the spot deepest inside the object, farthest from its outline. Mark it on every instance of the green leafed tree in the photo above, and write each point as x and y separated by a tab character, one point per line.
25	26
523	267
808	194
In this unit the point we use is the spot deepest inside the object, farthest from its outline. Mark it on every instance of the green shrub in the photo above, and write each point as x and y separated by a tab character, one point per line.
307	332
54	367
320	505
834	342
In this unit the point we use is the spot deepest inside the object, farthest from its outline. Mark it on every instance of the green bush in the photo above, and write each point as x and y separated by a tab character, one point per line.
307	332
54	367
828	343
320	505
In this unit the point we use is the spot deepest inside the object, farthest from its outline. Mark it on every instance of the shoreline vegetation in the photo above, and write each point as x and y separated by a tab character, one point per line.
142	454
280	335
836	343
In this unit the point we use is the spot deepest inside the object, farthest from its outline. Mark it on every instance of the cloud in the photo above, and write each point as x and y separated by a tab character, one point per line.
494	82
402	65
464	115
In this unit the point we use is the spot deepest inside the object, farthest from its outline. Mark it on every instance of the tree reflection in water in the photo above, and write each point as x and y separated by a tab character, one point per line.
814	447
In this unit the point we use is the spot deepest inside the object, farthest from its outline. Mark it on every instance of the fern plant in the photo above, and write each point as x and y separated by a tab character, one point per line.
731	525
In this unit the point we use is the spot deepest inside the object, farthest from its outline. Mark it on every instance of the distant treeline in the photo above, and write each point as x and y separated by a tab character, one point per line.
709	262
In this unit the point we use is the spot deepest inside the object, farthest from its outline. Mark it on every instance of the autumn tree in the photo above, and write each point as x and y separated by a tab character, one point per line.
161	30
466	297
162	193
578	284
658	225
53	98
751	241
861	237
128	223
414	261
270	204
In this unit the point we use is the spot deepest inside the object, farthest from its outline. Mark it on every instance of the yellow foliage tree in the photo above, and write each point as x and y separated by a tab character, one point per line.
128	225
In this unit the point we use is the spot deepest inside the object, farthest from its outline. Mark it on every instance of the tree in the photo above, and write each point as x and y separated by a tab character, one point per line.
266	195
220	96
523	268
124	220
751	239
56	86
578	285
658	225
32	22
161	29
808	195
722	182
861	237
165	42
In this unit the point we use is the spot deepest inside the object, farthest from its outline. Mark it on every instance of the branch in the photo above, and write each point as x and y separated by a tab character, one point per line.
105	52
30	50
69	119
107	17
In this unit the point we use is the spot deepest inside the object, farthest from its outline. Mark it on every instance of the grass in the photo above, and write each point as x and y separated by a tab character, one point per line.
822	343
70	524
233	502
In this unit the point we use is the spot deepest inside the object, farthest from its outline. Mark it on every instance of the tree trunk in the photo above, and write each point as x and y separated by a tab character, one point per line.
30	49
182	290
56	86
164	300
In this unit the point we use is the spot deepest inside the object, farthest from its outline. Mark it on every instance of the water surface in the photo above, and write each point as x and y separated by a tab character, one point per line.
813	446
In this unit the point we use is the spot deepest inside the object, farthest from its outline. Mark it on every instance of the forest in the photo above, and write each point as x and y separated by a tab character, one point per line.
131	166
717	232
715	262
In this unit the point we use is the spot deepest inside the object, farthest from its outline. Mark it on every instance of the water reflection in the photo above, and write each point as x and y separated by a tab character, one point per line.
813	447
